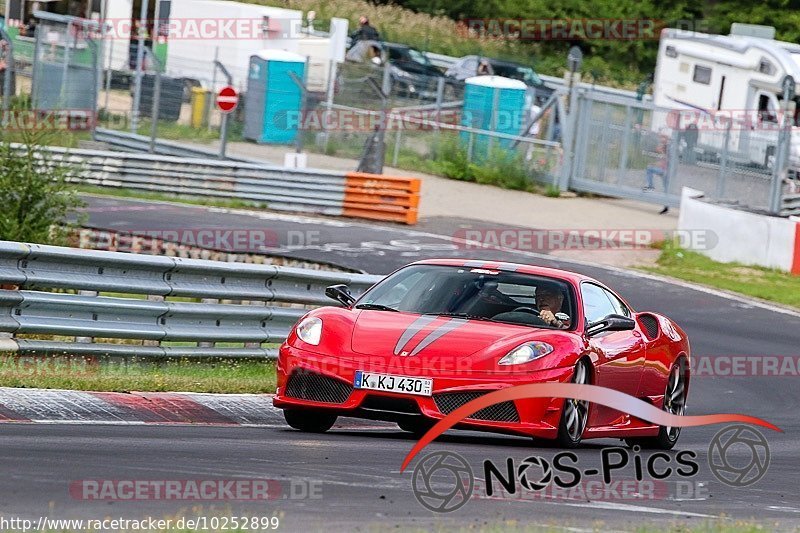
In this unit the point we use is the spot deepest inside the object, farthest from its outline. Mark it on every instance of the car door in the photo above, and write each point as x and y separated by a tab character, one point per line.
620	354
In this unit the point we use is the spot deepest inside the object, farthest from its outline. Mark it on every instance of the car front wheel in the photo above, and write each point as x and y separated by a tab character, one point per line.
575	413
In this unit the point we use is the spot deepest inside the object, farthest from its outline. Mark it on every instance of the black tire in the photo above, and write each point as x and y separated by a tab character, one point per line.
674	403
416	426
309	421
570	431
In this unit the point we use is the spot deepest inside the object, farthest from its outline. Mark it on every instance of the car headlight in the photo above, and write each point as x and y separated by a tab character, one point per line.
310	330
526	352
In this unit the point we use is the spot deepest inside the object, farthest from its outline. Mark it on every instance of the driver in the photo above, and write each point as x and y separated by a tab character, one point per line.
548	302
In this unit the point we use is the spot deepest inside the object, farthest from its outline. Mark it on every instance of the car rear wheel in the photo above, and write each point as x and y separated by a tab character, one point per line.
417	426
674	404
575	413
309	421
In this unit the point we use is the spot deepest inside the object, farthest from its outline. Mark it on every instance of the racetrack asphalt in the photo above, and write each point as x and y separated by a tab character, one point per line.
358	464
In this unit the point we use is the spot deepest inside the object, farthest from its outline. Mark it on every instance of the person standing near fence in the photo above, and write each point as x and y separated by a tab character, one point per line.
365	32
660	167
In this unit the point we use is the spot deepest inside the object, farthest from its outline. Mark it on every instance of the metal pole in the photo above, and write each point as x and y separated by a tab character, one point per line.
65	72
10	70
137	91
154	112
37	50
209	96
108	73
493	120
723	165
97	58
329	97
223	145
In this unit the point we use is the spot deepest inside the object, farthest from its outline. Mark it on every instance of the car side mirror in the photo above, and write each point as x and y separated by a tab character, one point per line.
611	323
341	294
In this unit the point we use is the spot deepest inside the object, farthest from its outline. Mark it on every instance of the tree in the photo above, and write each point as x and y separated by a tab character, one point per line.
35	196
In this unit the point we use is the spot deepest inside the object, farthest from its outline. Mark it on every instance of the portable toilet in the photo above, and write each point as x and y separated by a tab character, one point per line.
274	100
492	103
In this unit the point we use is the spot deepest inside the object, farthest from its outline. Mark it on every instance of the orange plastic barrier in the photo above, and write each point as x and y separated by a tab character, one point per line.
380	197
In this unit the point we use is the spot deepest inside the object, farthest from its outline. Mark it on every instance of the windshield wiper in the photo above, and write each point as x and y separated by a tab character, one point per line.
464	315
376	307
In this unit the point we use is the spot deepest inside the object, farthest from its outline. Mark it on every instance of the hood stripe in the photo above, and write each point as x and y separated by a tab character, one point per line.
412	330
439	332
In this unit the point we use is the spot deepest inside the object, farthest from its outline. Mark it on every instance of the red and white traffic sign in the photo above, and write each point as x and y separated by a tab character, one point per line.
227	99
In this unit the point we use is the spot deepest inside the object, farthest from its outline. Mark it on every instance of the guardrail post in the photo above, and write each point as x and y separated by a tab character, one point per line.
257	303
151	298
85	340
205	344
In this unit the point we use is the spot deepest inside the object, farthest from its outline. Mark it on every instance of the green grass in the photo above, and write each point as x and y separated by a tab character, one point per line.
758	282
84	373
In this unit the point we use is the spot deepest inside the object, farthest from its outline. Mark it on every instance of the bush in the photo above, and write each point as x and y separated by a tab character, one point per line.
36	197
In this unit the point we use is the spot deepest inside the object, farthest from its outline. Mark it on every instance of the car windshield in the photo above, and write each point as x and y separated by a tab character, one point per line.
408	54
473	293
525	74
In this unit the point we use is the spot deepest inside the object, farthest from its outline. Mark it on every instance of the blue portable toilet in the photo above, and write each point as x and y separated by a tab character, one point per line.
481	95
274	100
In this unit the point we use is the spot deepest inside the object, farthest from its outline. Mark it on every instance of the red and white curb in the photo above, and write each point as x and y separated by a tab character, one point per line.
66	406
52	406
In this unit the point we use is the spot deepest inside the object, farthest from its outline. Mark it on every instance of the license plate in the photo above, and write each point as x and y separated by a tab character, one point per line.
389	383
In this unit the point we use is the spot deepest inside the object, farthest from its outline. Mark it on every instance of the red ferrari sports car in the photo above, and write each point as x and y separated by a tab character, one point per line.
436	334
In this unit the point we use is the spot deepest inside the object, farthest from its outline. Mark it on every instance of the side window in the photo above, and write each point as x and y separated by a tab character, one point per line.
619	307
596	304
702	75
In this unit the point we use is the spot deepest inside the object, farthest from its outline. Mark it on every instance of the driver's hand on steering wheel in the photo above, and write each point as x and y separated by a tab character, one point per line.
548	317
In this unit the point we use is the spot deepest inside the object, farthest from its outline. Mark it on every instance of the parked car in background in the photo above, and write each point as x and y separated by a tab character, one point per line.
412	73
469	66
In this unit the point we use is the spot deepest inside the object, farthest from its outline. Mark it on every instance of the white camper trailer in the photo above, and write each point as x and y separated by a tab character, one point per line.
730	88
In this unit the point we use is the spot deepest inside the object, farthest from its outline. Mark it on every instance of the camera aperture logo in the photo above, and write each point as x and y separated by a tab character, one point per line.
443	482
739	455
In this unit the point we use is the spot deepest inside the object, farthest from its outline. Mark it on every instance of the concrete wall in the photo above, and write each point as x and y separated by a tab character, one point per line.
743	237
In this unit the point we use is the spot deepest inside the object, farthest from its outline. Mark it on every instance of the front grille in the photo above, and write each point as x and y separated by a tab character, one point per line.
317	388
650	325
501	412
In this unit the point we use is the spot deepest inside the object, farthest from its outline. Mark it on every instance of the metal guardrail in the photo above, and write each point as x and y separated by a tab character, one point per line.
135	143
33	269
370	196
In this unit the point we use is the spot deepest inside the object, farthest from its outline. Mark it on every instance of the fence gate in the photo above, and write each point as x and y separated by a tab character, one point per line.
631	149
